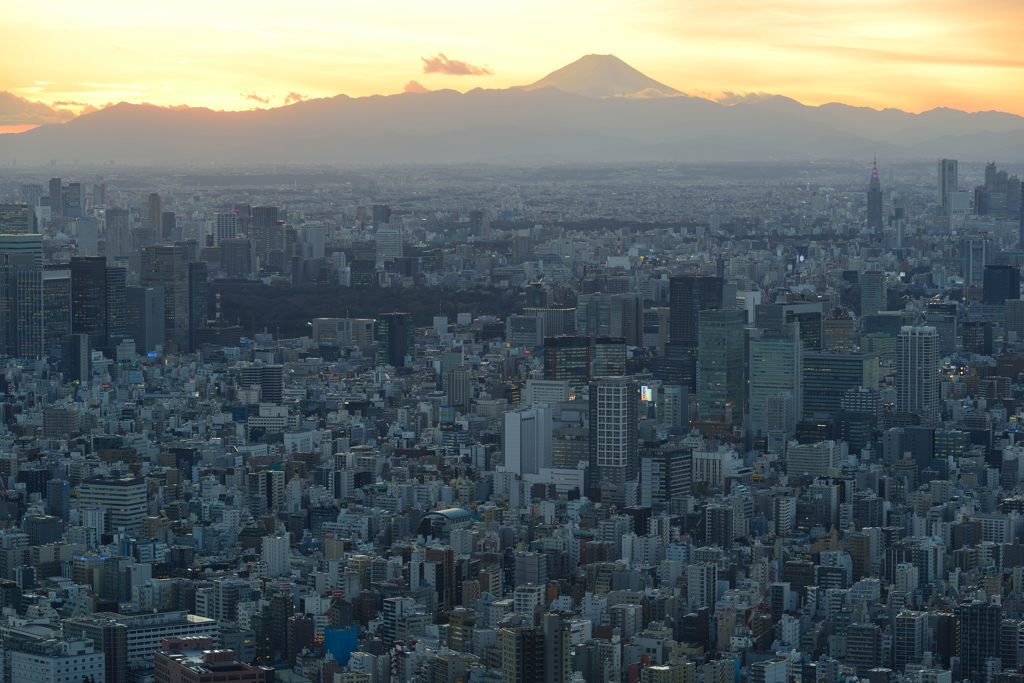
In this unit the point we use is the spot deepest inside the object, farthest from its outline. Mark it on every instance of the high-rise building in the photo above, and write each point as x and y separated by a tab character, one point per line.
225	226
557	649
688	295
873	297
88	298
168	226
108	636
167	267
198	302
522	654
609	357
117	234
380	214
917	372
568	358
390	241
396	339
975	254
720	366
719	525
276	554
528	436
948	181
152	219
145	312
978	636
56	187
1000	282
614	448
775	380
123	497
56	308
909	639
828	376
17	219
875	201
458	384
21	295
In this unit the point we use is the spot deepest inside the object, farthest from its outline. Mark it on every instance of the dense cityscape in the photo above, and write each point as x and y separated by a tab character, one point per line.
644	424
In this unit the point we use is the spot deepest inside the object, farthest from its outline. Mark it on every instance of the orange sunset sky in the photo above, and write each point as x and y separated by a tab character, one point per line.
227	54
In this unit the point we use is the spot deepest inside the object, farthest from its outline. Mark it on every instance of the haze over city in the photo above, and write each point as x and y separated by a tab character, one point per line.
574	342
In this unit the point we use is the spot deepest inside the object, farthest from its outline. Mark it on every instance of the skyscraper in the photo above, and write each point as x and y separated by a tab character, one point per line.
117	231
568	358
198	302
872	293
614	404
828	376
166	266
609	357
688	295
978	635
89	298
56	187
225	226
875	201
153	218
145	306
21	295
947	180
999	283
775	380
395	339
917	372
975	253
721	366
56	308
17	219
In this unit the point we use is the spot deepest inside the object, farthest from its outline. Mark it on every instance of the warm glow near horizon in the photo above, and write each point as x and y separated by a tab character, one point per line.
227	54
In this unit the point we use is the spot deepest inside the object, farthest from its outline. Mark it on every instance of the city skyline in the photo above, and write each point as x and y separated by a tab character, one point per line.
909	55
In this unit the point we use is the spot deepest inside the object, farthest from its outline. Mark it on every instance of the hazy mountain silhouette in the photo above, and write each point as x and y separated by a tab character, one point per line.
617	119
603	76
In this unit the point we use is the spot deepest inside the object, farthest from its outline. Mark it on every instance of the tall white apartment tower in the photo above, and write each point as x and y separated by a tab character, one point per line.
917	372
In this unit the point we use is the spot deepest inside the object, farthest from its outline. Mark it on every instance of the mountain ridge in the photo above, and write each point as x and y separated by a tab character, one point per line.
525	124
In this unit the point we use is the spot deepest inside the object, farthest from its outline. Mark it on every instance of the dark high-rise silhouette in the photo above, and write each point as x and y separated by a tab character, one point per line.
89	298
568	358
688	295
1000	282
395	339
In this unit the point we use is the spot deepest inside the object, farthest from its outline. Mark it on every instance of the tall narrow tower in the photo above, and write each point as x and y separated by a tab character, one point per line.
875	202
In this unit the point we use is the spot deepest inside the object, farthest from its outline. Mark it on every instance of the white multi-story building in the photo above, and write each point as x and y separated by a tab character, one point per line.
917	372
123	498
276	553
528	440
68	661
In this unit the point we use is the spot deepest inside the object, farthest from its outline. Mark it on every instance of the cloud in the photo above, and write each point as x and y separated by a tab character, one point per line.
440	64
415	86
256	98
728	97
16	111
293	97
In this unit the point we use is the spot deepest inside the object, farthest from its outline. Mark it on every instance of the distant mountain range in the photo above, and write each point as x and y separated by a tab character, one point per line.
597	109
